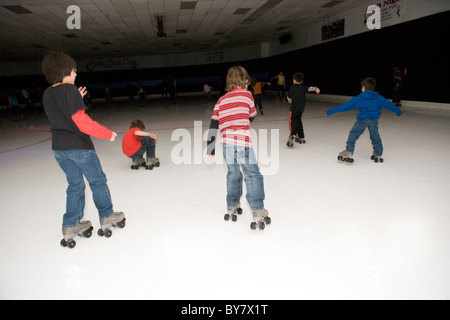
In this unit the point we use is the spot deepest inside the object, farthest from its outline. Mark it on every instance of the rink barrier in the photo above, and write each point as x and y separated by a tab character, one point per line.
405	103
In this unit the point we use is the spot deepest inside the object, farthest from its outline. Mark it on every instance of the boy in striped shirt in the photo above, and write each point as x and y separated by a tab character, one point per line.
231	118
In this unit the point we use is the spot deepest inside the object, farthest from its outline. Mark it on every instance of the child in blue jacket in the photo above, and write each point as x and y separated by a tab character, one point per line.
369	104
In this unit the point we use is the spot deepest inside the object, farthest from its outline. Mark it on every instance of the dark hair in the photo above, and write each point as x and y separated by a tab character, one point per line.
138	124
237	77
369	83
298	77
56	66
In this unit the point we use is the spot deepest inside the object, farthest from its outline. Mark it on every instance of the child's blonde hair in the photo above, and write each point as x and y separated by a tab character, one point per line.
237	77
138	124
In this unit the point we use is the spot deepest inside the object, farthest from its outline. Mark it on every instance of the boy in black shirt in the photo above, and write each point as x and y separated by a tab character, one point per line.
297	99
74	151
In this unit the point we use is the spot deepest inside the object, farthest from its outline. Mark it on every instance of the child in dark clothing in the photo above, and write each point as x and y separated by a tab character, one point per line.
297	98
73	149
369	104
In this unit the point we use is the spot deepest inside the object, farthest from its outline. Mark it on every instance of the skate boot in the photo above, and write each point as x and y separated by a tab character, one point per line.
233	212
151	163
376	158
83	229
137	162
260	219
299	140
346	156
290	142
116	220
261	110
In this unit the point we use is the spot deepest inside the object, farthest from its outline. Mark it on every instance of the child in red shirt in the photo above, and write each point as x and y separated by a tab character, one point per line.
136	142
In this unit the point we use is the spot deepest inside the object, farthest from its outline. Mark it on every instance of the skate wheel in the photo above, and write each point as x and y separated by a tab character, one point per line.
253	225
233	217
262	226
150	167
267	220
100	232
71	243
121	224
157	164
372	157
239	211
87	233
226	217
340	158
63	243
108	233
381	160
351	160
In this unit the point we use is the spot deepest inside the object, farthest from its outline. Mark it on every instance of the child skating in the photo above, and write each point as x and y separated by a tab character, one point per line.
231	118
74	151
297	99
369	103
136	142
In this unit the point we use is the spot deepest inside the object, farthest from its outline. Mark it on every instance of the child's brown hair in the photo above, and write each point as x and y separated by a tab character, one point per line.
237	77
56	66
138	124
369	83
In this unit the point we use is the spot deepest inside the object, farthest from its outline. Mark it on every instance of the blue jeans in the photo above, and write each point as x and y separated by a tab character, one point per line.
147	146
358	130
238	157
76	164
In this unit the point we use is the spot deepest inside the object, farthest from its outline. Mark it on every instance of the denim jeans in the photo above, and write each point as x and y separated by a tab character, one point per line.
147	146
76	164
238	157
358	130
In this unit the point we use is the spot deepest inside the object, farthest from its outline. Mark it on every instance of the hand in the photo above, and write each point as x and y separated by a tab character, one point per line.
82	91
317	90
153	136
113	137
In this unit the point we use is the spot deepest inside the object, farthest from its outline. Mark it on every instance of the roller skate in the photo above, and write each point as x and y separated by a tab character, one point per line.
260	219
233	212
116	220
290	142
137	162
299	140
376	158
151	163
83	229
346	156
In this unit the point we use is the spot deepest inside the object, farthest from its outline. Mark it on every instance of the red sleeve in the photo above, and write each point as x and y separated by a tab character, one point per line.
90	127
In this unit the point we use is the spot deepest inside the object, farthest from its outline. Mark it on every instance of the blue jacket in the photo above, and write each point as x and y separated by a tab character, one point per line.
369	104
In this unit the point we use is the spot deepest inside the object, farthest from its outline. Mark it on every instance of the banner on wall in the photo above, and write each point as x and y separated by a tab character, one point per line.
96	64
391	11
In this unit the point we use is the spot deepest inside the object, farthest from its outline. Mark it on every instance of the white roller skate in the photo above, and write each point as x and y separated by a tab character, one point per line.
299	140
83	229
151	163
137	162
376	158
116	220
233	212
290	142
260	219
346	156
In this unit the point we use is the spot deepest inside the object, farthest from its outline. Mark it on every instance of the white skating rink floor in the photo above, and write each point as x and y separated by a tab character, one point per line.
339	231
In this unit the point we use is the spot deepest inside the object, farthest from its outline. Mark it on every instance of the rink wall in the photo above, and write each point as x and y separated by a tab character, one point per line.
331	98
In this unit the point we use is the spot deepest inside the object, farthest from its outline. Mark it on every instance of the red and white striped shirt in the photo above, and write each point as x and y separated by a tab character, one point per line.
233	112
